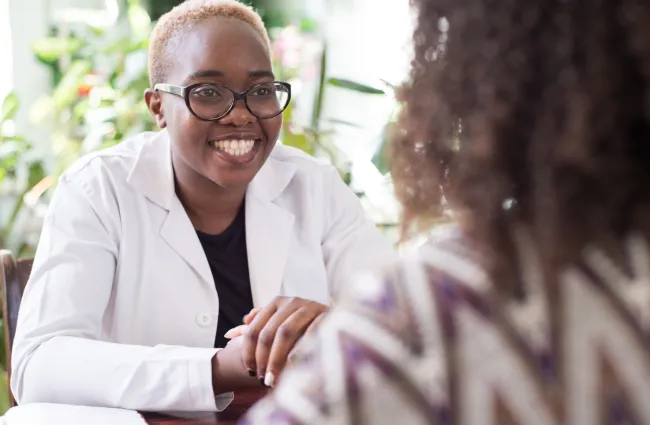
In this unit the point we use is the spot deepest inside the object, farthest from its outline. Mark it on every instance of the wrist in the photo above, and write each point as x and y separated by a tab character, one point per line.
229	374
217	378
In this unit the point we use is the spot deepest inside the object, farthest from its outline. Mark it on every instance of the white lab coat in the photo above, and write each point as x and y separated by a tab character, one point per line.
121	308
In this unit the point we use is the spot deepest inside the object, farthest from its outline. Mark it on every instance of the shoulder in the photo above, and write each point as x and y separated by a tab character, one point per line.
447	250
388	323
113	159
305	165
111	164
295	176
446	258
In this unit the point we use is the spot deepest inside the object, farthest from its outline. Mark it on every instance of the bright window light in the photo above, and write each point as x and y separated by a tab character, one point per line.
6	52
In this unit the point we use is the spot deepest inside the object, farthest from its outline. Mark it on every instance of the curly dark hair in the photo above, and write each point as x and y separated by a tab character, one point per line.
534	112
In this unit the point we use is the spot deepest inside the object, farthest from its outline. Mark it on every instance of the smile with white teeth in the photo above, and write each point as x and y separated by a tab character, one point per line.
234	147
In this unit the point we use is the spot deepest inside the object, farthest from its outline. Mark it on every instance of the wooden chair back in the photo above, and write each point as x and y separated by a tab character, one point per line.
13	278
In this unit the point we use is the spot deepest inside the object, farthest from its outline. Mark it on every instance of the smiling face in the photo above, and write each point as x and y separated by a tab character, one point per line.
230	151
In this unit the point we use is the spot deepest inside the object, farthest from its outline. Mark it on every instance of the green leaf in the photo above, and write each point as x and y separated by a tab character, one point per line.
14	140
381	158
320	92
118	46
96	31
49	49
351	85
80	110
388	84
343	122
36	173
346	176
308	25
299	141
66	92
9	107
11	148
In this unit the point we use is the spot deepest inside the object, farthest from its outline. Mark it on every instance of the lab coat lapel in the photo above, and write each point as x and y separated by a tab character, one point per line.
269	229
177	230
153	175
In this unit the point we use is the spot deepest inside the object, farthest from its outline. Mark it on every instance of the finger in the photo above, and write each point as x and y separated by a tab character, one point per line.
251	315
314	324
285	340
235	332
252	334
267	335
235	340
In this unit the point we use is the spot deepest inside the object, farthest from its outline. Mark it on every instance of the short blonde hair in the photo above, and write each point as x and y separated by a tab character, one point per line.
187	14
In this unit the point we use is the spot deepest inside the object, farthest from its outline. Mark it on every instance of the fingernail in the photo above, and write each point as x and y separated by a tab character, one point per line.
228	334
269	379
262	381
251	373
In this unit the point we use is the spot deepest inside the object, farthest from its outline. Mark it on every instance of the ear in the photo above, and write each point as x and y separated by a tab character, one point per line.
154	103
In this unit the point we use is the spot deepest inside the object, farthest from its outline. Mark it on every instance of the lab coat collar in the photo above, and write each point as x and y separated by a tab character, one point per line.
268	225
153	174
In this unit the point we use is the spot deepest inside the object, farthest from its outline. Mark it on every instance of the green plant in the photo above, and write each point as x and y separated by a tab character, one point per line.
19	173
4	394
156	8
381	157
96	102
270	15
295	59
99	81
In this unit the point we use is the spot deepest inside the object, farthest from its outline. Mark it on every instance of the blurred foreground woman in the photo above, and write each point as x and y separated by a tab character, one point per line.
533	118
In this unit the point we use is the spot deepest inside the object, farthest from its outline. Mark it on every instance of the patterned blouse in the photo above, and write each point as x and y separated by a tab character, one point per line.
424	342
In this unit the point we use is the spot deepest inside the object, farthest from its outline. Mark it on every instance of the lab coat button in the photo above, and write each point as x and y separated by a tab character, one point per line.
204	319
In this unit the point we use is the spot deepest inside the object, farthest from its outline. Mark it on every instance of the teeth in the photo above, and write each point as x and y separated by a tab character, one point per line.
235	147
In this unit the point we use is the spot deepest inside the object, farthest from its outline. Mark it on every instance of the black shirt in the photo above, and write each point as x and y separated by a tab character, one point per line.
228	259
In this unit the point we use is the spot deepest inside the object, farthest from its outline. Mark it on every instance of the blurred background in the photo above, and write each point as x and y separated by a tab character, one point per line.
73	74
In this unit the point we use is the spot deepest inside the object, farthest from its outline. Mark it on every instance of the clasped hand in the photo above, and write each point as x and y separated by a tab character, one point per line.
271	332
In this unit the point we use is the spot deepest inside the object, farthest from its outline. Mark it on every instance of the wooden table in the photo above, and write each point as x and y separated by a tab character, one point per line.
242	402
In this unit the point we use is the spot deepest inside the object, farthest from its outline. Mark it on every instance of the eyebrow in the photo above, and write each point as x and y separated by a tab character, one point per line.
211	73
261	73
203	74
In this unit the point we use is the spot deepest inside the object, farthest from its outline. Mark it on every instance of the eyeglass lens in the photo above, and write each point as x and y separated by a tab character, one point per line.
209	101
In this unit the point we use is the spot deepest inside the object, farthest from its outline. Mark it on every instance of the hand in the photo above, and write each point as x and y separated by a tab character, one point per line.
241	329
271	333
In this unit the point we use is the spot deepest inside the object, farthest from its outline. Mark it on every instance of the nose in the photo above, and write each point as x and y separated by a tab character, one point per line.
239	115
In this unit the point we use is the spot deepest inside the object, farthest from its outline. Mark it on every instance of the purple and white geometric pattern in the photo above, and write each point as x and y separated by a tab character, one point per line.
427	342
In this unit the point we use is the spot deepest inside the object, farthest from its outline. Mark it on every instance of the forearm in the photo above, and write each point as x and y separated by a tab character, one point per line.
228	374
75	370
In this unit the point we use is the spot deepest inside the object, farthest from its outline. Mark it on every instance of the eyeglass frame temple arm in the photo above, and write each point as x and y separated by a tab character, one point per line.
170	88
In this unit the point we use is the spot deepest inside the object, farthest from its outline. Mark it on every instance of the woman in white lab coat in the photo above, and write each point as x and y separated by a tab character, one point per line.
153	249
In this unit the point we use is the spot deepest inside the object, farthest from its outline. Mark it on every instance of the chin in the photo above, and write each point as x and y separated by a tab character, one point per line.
232	182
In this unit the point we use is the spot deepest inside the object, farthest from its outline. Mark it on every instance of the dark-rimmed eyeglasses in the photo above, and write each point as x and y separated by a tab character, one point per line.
211	102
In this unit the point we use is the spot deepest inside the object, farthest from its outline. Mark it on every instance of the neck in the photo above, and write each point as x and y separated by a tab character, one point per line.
211	208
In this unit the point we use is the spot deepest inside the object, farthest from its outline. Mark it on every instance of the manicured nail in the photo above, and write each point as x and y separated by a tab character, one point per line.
229	334
269	379
251	373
